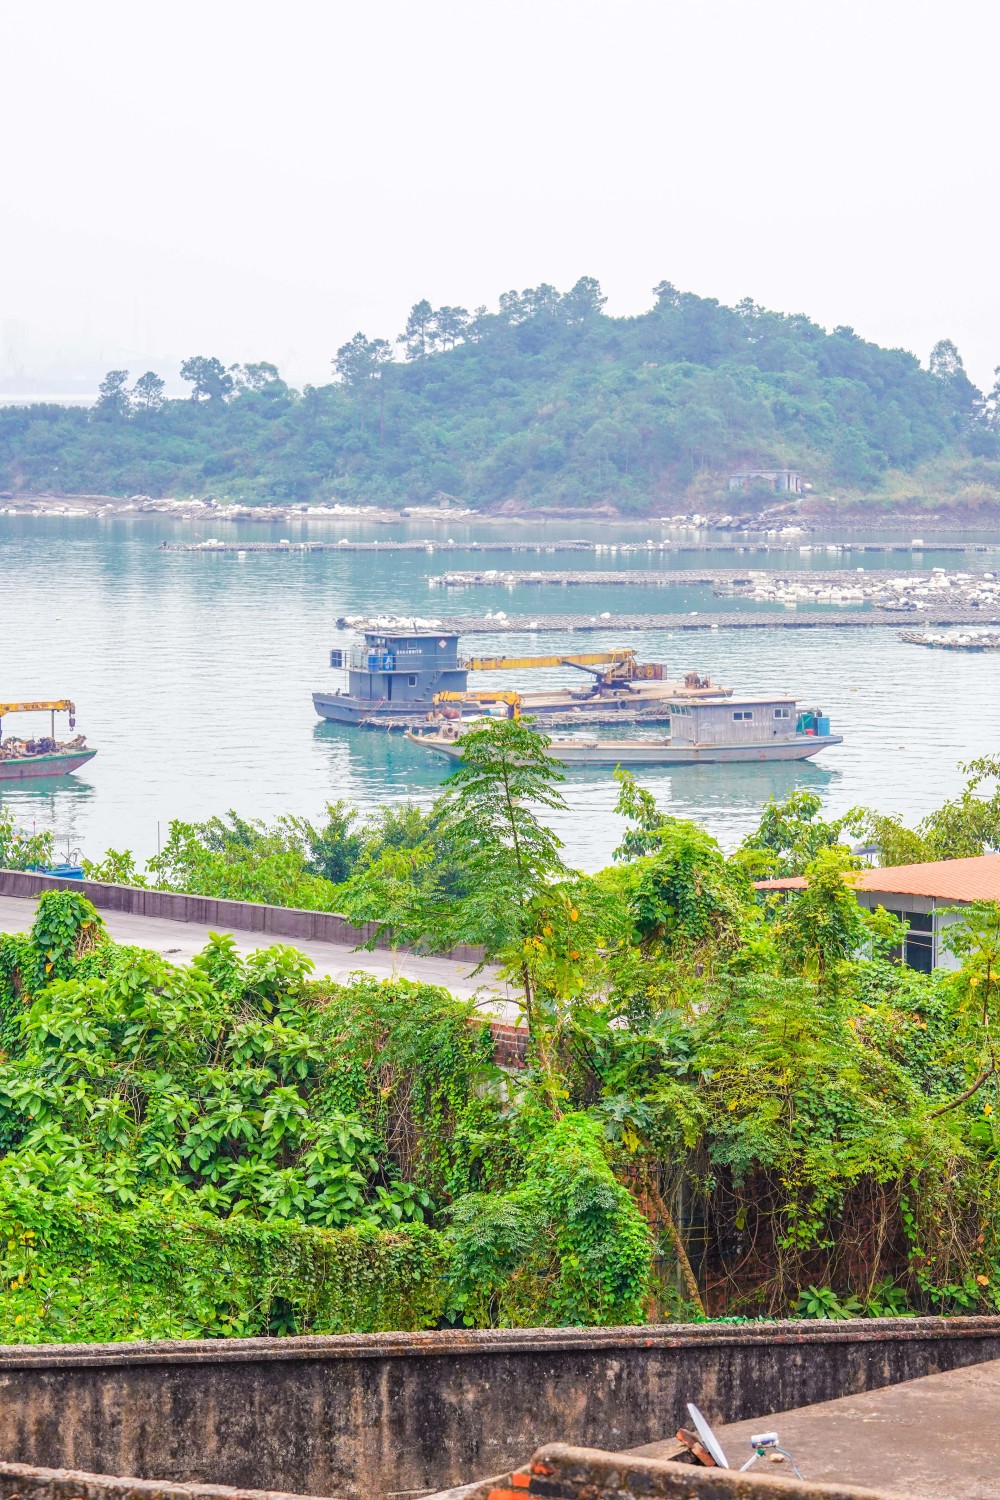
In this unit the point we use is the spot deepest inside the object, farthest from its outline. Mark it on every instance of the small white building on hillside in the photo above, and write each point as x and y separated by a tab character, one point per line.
928	897
782	481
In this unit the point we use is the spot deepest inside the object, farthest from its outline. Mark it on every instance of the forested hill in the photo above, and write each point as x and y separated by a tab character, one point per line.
547	401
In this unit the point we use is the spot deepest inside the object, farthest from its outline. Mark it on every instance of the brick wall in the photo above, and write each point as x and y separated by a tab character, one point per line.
510	1045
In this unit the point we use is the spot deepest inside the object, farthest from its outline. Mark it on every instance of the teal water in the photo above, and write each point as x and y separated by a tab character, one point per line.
192	675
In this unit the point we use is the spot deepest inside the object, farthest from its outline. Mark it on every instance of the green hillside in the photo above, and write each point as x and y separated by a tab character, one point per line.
547	401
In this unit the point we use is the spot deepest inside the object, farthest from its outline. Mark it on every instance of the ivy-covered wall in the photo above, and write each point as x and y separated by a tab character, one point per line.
77	1271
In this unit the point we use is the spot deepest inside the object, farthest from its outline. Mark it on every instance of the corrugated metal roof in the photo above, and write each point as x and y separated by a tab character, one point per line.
941	880
722	702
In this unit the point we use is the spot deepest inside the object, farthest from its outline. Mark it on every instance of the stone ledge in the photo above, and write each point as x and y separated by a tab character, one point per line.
22	1482
561	1472
452	1343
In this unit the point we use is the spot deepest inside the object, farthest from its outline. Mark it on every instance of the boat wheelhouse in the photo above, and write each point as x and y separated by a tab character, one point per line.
731	723
393	676
703	732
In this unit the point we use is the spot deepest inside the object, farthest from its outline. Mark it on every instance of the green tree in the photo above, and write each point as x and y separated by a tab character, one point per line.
791	834
684	898
361	364
209	378
974	938
452	323
947	366
822	926
420	336
261	376
334	849
507	856
583	301
991	404
961	828
147	393
638	807
854	460
20	850
112	395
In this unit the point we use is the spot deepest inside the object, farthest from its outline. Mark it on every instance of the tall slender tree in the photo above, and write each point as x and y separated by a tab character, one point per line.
420	336
147	393
508	857
112	395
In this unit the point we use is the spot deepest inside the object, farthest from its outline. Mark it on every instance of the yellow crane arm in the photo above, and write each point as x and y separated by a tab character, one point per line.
55	705
508	663
482	697
511	698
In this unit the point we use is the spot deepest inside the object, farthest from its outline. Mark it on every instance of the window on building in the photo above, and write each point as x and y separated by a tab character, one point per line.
412	679
917	949
782	713
742	715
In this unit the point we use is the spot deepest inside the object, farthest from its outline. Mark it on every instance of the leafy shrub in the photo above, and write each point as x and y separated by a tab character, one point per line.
567	1245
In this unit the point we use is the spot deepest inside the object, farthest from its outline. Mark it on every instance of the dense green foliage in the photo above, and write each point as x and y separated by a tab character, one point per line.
793	833
75	1270
735	1102
546	401
292	862
290	1155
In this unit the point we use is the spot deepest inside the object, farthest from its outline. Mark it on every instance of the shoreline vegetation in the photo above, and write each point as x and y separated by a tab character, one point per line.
544	406
735	1104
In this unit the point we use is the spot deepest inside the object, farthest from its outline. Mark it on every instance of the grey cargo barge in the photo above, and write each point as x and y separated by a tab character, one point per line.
393	677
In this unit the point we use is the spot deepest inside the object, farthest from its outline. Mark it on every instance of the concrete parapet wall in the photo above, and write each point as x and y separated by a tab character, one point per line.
22	1482
210	911
561	1472
373	1415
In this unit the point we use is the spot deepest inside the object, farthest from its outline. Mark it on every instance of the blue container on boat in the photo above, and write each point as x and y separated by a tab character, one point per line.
823	724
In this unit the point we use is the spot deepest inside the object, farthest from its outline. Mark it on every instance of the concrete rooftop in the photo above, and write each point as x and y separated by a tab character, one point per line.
937	1438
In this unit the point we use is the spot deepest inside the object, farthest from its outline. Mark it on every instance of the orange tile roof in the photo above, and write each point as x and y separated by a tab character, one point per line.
942	880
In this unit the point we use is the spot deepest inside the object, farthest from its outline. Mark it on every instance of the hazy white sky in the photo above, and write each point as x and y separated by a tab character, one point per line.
260	180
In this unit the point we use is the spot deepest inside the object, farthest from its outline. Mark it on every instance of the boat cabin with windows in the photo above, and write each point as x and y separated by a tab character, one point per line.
401	668
742	721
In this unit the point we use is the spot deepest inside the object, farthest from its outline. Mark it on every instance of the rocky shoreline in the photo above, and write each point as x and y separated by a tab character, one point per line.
783	520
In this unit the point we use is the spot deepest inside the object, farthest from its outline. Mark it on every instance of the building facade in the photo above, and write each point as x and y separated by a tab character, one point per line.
929	898
782	481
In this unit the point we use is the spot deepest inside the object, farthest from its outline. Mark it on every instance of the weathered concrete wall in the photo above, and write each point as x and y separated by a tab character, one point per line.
209	911
21	1482
381	1414
561	1472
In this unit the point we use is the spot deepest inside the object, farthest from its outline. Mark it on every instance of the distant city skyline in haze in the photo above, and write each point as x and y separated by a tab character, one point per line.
259	182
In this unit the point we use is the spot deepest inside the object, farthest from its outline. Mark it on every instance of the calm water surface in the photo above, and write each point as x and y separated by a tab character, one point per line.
193	675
